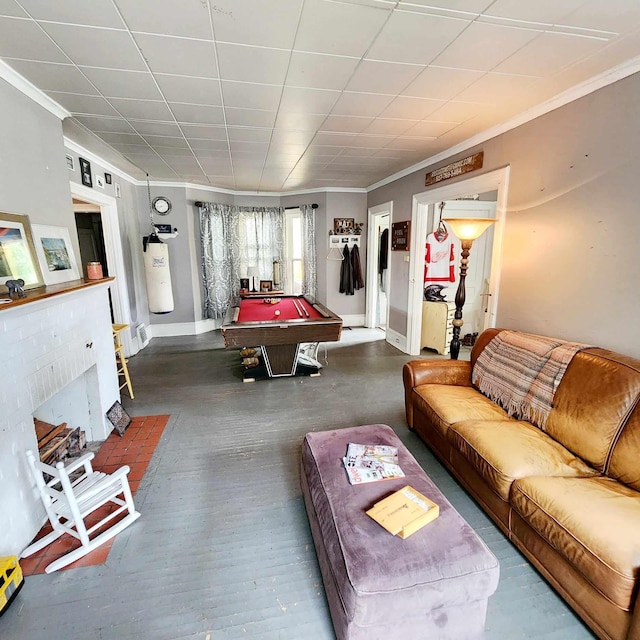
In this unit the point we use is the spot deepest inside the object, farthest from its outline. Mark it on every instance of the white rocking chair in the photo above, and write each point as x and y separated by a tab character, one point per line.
68	503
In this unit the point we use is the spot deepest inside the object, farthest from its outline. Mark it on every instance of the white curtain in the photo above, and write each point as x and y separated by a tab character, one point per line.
310	281
233	240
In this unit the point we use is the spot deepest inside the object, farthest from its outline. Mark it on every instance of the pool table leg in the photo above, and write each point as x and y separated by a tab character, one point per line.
280	359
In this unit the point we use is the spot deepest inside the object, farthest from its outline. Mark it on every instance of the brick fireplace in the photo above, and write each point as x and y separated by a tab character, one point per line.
58	366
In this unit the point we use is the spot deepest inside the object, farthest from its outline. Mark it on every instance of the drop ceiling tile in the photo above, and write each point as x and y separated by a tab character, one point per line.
123	84
362	104
167	141
197	114
250	95
364	140
76	103
156	128
192	131
549	53
54	77
290	136
249	117
494	88
320	71
411	108
390	126
429	129
190	90
483	46
95	47
183	165
250	147
98	13
209	148
249	134
346	124
142	109
383	77
303	100
454	111
179	56
416	145
24	39
113	125
268	23
546	11
189	19
619	16
298	122
440	83
252	64
404	39
472	6
343	29
10	9
124	139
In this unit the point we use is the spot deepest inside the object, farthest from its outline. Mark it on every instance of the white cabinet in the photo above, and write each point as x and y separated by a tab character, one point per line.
437	325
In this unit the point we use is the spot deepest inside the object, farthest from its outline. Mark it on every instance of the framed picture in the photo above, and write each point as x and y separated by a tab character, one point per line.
107	178
343	226
85	172
266	286
100	181
118	417
18	259
116	186
55	254
70	164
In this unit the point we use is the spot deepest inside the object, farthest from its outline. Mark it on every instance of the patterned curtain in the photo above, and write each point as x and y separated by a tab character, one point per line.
233	240
310	281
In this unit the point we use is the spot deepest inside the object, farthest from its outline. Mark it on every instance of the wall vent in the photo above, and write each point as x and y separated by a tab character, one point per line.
143	336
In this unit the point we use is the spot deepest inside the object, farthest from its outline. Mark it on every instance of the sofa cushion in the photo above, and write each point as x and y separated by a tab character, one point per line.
503	451
595	396
624	457
592	522
445	405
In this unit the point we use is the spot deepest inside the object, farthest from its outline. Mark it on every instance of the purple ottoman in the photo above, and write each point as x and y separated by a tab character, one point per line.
435	584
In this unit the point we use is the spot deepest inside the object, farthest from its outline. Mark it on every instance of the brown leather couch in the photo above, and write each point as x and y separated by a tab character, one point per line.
567	497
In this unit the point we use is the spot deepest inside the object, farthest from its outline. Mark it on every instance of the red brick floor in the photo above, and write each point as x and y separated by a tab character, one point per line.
135	449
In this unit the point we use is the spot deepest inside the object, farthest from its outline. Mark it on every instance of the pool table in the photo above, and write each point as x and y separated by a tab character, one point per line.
279	327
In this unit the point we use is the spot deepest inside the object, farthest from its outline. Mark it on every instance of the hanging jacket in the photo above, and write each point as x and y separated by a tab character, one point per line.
346	272
358	279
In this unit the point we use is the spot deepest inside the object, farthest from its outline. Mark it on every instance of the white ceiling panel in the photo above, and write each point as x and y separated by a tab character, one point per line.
483	46
190	19
415	37
334	27
285	94
179	56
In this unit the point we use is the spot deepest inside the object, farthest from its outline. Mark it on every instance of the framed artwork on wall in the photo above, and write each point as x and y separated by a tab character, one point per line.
266	286
55	253
85	172
18	260
343	226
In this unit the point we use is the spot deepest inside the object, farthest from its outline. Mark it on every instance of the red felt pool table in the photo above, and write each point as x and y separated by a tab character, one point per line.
255	322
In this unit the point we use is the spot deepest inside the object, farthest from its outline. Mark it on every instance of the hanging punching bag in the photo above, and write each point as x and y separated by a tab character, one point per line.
157	274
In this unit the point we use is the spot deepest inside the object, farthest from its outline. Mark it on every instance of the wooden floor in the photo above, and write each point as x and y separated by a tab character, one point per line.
223	548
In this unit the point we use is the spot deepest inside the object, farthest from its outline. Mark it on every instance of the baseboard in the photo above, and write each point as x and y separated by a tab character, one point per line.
397	340
356	320
183	328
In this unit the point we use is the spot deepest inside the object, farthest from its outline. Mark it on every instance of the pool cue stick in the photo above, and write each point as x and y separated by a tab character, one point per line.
297	307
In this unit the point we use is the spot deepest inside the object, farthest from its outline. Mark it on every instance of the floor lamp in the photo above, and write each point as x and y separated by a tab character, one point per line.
467	230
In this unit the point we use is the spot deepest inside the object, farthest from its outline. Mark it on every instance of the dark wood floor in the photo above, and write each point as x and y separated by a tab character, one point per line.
223	548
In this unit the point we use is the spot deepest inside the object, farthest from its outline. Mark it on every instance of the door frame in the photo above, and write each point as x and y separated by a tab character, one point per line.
115	260
490	181
380	210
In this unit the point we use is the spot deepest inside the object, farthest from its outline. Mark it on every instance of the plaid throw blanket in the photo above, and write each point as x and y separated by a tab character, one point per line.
521	373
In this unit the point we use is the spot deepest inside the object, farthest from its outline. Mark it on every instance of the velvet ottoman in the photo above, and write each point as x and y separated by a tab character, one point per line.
435	584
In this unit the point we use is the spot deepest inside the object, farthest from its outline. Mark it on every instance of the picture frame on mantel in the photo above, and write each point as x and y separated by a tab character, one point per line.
55	254
18	259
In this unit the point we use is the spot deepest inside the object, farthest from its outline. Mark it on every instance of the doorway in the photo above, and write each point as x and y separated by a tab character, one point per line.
378	272
422	220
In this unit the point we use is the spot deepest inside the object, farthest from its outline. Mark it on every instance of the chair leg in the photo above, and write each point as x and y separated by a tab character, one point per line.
41	544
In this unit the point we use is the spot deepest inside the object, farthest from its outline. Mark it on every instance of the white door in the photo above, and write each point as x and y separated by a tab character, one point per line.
475	308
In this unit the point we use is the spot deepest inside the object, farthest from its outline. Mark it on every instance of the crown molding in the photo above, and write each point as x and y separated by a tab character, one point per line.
604	79
89	155
31	91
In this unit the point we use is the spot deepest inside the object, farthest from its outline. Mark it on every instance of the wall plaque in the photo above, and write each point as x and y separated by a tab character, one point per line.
457	168
400	236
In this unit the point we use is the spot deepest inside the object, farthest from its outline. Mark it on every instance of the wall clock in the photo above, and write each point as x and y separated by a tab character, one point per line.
161	205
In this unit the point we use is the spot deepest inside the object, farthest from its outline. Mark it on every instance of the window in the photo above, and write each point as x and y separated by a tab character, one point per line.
293	263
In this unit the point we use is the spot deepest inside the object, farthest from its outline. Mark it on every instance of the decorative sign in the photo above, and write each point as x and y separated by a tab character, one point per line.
343	226
400	236
457	168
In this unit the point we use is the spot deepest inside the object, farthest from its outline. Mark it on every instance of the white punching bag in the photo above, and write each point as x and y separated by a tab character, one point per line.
158	275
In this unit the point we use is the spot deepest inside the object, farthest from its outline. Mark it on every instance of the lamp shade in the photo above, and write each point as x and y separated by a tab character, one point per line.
253	272
469	228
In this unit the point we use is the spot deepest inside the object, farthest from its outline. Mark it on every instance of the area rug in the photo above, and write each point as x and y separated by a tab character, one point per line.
135	449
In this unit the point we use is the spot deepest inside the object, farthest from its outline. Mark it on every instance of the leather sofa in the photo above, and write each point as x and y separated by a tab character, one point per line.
569	496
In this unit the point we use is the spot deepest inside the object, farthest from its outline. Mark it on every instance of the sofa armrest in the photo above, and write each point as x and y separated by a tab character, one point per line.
417	372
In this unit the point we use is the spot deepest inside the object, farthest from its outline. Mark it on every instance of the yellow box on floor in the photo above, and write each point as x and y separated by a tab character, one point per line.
10	580
404	512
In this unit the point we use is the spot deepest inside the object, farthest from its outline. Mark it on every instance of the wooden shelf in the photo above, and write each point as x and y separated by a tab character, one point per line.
41	293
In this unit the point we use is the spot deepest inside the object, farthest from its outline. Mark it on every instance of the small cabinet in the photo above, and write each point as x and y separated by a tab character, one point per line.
437	326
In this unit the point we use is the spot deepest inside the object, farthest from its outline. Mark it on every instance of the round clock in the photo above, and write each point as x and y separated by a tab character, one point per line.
161	205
